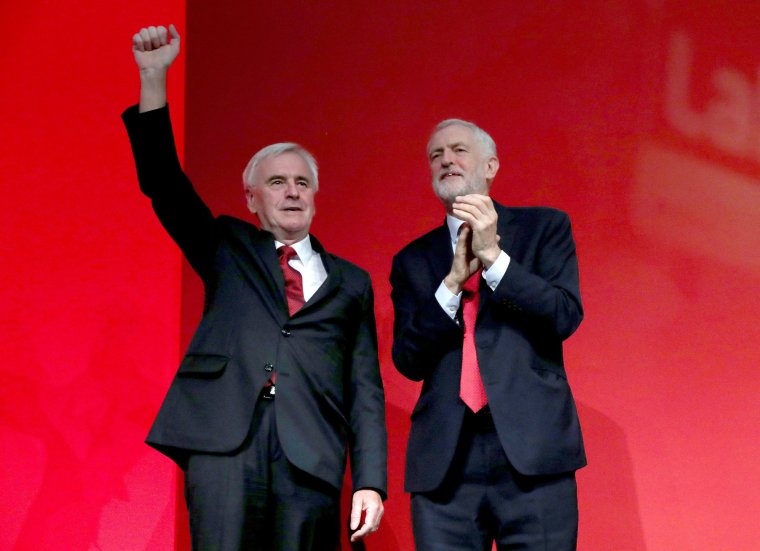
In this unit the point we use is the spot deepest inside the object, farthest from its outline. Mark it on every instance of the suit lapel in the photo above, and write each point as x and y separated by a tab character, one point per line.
273	282
505	228
334	277
441	253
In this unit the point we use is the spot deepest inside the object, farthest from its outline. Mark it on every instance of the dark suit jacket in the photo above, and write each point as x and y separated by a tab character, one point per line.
518	335
329	392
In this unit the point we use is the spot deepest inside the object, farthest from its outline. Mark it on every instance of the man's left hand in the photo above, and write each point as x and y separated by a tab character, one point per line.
371	504
478	211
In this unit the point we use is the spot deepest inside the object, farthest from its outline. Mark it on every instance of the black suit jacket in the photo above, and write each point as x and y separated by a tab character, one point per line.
329	392
518	335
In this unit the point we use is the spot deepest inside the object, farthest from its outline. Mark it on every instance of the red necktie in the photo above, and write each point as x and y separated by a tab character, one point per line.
294	294
471	385
293	281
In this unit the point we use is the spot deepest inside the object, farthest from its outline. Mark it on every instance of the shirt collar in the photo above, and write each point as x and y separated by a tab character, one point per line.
454	224
303	248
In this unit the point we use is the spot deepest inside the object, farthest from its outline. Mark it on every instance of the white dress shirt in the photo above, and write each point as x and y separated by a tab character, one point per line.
309	264
493	275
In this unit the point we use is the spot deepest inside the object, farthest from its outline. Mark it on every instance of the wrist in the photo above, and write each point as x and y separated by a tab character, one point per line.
489	256
452	284
150	75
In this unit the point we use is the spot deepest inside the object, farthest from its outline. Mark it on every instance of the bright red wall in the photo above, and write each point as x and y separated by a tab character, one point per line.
89	286
598	109
639	118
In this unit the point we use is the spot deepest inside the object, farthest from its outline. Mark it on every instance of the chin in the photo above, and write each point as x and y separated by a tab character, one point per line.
296	231
447	194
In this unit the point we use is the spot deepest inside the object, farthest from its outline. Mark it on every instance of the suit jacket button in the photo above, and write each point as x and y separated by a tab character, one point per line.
268	367
286	332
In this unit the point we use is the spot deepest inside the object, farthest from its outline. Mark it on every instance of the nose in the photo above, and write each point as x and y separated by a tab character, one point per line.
292	188
447	157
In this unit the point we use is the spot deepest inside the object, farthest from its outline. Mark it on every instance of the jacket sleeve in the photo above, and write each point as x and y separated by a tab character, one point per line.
180	210
547	293
368	439
422	332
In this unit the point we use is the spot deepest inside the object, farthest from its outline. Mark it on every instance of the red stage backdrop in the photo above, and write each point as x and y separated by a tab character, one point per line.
89	286
641	119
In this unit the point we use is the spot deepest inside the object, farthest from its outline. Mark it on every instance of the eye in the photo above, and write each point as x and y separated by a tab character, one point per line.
276	182
303	183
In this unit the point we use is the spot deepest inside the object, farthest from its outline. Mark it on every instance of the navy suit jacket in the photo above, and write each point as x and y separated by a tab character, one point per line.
518	336
329	393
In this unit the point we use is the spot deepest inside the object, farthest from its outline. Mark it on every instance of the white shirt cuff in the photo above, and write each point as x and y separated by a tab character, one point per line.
448	300
495	273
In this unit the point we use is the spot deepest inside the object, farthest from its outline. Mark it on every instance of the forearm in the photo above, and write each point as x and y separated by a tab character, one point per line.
178	207
547	292
152	140
423	331
555	305
421	336
368	445
152	89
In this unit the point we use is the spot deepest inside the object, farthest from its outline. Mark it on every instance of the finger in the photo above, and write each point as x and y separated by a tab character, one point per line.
372	518
153	34
373	515
474	198
145	39
356	512
478	205
173	32
464	207
465	240
162	35
465	215
482	203
137	43
362	532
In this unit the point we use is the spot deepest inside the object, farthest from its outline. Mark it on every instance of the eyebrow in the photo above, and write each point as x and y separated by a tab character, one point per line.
450	146
298	177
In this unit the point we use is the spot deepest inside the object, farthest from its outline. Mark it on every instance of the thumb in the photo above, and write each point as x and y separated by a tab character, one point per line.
173	32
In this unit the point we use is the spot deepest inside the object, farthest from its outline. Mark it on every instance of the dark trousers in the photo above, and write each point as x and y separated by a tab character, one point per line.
484	500
254	499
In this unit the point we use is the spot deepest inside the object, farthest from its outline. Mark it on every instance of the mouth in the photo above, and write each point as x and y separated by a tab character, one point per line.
292	209
449	174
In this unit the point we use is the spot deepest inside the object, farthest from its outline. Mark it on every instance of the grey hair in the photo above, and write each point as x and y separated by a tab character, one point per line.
487	145
275	150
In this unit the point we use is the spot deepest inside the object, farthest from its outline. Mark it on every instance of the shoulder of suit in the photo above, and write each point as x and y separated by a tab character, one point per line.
425	241
234	224
532	212
346	266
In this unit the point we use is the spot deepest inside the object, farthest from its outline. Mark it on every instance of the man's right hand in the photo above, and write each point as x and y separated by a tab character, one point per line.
154	52
465	263
153	49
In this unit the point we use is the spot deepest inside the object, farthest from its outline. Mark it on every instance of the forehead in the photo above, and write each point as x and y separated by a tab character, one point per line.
285	164
450	135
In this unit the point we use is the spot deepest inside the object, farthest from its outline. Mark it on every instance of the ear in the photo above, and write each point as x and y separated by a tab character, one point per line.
492	167
250	200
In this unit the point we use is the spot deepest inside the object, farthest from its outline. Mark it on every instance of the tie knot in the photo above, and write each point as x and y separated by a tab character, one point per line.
473	283
286	253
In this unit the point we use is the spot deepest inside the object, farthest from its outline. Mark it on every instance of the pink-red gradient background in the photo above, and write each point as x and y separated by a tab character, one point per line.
89	286
641	119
